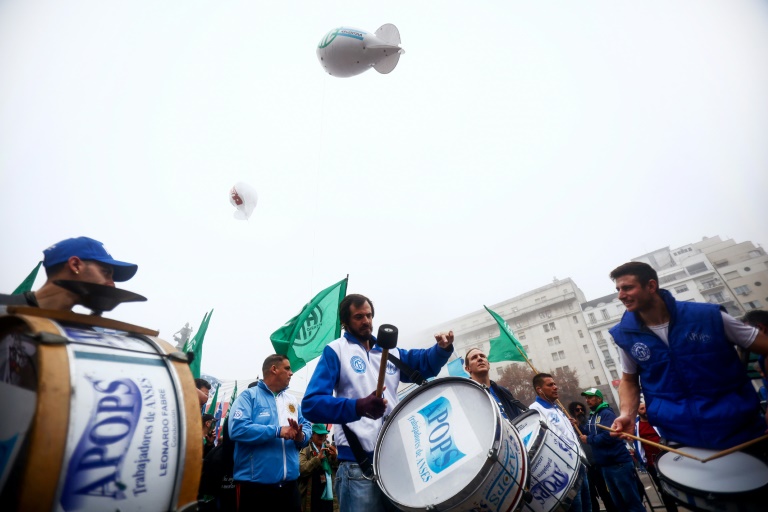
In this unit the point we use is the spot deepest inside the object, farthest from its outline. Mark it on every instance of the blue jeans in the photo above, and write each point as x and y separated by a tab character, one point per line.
357	493
581	502
622	484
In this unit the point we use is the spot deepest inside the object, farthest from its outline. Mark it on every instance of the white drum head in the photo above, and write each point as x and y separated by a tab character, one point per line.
737	472
436	442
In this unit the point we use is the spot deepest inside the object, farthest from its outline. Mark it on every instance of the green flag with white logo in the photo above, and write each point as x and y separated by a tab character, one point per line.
29	282
505	346
304	336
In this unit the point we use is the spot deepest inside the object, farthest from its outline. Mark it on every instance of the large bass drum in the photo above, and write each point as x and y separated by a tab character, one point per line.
737	482
554	465
447	447
94	418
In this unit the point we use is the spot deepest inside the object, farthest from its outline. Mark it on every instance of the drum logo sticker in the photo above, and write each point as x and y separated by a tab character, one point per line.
551	482
391	370
438	440
94	469
641	352
357	363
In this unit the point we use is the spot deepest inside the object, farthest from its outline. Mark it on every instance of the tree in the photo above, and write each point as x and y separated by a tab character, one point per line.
518	378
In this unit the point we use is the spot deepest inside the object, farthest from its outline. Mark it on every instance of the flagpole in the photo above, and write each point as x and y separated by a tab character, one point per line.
536	372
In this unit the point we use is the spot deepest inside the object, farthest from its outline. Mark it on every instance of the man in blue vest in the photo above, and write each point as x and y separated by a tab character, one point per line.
696	390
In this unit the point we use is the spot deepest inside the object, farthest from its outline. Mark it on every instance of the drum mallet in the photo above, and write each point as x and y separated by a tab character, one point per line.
657	445
386	339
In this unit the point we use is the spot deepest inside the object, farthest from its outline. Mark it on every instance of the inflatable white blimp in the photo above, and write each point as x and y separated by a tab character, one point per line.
348	51
244	198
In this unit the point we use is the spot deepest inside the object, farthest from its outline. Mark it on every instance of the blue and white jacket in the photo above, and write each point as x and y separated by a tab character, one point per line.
261	455
696	390
346	372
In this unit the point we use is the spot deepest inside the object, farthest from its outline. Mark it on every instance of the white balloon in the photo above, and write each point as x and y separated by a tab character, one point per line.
346	51
244	198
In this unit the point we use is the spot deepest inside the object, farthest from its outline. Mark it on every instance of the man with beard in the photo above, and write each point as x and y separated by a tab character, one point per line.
342	391
647	454
477	366
547	403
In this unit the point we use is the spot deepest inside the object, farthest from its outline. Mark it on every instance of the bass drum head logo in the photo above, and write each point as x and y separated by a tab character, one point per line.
357	363
641	352
310	327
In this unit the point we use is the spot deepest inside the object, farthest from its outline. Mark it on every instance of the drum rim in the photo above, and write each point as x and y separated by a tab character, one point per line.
485	470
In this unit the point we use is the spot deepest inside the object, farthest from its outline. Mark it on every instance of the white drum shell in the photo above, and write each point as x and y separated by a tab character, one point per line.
553	465
737	482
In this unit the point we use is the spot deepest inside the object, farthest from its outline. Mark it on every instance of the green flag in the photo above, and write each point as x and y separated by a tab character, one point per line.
304	336
212	409
26	285
195	345
231	401
505	346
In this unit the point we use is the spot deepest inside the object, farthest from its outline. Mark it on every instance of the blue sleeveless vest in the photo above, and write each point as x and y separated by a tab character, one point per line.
696	390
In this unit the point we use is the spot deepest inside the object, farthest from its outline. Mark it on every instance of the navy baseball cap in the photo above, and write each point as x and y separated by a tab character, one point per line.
87	249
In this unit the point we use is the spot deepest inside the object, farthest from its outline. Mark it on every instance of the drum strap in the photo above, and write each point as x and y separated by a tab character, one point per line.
360	455
413	375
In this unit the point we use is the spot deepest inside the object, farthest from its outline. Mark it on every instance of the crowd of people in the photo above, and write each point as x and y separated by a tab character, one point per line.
682	384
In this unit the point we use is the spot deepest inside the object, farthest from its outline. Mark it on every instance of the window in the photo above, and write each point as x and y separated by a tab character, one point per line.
550	342
747	269
586	349
606	354
755	254
591	364
561	353
521	335
742	290
754	304
681	289
518	324
552	326
592	319
565	367
557	340
575	319
731	275
597	380
720	263
581	334
554	356
672	277
548	313
696	268
599	335
605	314
716	298
525	347
546	327
614	374
710	283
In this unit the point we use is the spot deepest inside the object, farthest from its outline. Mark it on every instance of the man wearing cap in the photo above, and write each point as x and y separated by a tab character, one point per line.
477	366
76	259
317	466
611	454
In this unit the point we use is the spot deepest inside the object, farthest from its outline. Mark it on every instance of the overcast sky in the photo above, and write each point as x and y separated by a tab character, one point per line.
514	142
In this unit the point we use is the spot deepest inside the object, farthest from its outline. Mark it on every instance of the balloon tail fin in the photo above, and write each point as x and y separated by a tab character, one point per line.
389	34
387	64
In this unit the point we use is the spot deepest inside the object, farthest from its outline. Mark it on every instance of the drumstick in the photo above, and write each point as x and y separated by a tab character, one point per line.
657	445
735	448
386	339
